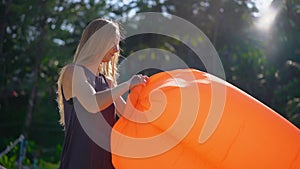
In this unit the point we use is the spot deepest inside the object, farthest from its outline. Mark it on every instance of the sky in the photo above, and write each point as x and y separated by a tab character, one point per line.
267	15
262	4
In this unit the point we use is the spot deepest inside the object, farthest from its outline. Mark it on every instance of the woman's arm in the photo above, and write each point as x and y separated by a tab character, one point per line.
76	85
119	102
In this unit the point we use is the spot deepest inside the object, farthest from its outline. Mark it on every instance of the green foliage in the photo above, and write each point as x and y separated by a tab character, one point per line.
11	160
289	94
8	162
30	157
46	165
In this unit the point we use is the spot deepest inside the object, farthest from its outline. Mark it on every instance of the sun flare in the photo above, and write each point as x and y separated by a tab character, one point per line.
267	18
266	15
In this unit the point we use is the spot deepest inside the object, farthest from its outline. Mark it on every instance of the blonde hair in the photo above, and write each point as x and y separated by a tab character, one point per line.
100	32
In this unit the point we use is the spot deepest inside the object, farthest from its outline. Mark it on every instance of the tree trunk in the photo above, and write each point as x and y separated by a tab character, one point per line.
34	91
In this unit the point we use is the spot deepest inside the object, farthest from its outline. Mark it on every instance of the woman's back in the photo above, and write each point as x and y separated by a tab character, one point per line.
79	150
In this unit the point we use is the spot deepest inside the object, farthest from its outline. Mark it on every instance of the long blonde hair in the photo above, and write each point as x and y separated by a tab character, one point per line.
100	32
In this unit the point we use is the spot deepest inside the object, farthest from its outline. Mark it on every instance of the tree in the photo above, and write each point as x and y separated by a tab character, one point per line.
38	39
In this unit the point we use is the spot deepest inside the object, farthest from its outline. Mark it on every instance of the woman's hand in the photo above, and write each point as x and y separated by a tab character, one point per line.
137	80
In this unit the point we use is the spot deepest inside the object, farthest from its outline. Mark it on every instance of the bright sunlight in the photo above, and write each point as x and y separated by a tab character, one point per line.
266	15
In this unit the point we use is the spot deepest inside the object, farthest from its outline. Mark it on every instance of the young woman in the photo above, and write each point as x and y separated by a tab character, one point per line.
87	93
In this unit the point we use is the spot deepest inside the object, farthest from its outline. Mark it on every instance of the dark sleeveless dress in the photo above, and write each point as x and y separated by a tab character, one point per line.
79	150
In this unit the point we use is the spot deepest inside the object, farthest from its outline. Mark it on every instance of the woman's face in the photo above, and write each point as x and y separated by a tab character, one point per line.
110	53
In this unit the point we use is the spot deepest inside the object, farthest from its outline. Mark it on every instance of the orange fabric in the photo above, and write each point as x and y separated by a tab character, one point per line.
163	127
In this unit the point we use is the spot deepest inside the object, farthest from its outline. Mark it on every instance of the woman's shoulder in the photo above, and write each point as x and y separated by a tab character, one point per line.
69	69
67	75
